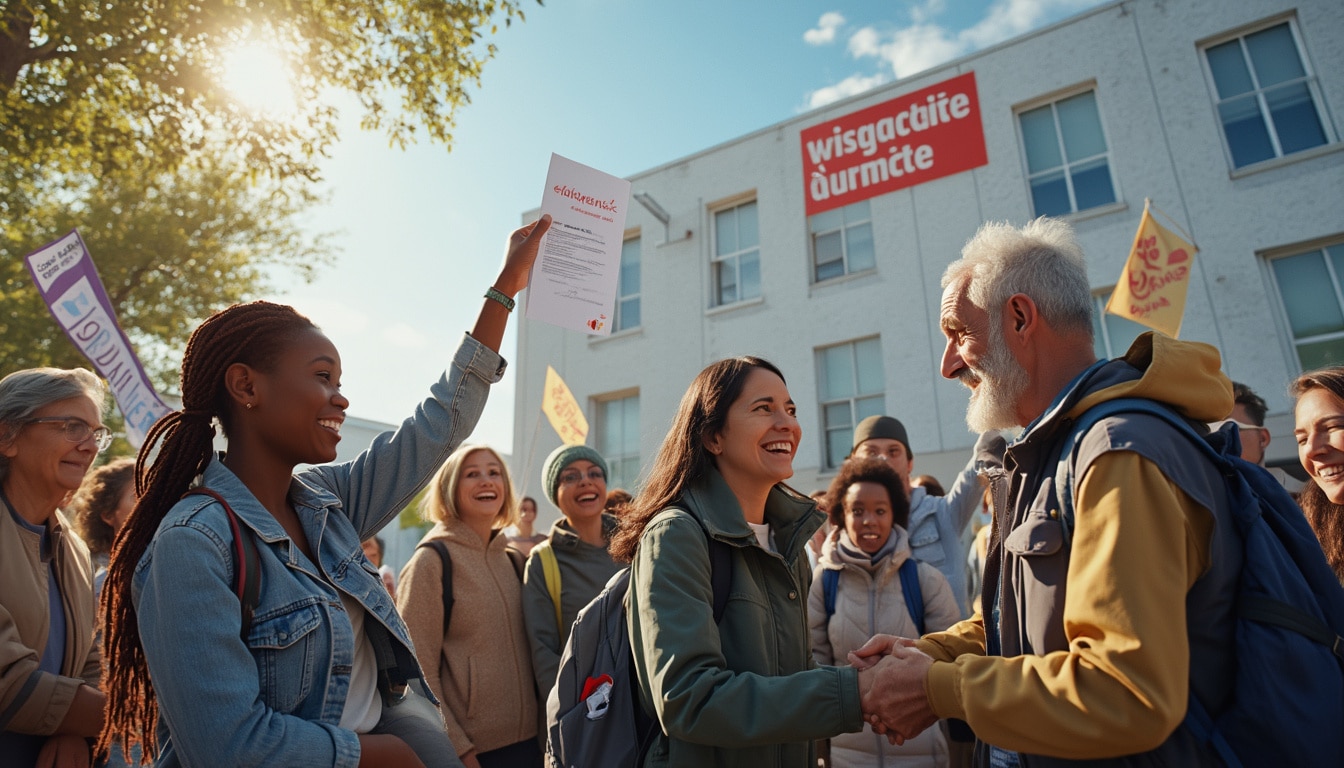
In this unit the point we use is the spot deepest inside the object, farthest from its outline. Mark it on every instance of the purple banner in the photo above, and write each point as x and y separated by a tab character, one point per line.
68	281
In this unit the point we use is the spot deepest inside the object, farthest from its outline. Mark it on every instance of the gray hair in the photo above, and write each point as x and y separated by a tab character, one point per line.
1042	260
23	393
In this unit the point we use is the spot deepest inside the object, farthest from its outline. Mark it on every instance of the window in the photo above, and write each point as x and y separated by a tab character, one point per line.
627	289
850	382
618	440
1268	100
1309	286
1111	334
842	241
737	254
1068	165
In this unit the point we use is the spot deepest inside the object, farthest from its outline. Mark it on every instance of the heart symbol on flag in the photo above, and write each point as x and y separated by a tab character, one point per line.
1178	256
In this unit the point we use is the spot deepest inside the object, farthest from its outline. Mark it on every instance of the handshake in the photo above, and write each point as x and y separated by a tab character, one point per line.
891	687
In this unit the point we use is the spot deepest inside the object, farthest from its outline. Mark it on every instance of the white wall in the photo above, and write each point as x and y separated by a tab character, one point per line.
1165	143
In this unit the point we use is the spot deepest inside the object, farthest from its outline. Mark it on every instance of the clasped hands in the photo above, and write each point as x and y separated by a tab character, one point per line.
891	687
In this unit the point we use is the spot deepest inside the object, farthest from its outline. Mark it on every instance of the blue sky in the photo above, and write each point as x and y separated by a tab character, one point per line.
624	86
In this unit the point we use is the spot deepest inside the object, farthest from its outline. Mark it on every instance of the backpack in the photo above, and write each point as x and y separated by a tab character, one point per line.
247	578
439	546
550	574
593	714
914	596
1287	700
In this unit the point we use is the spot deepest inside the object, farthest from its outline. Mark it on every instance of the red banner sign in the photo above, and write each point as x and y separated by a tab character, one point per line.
911	139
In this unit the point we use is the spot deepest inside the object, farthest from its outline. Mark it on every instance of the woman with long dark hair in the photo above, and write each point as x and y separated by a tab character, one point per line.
745	692
322	673
1320	448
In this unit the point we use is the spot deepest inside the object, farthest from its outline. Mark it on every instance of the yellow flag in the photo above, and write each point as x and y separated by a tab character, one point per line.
562	410
1153	285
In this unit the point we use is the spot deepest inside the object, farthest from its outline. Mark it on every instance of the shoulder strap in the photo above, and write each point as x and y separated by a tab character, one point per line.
518	559
830	585
247	578
550	572
438	546
720	574
1064	473
914	596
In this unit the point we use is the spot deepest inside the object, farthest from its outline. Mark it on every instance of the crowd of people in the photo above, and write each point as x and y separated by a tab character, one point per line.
203	609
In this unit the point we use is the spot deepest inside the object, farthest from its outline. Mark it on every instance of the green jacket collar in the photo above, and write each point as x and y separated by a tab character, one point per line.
792	516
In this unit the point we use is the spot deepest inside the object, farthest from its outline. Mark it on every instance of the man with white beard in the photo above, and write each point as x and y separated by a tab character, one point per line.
1100	623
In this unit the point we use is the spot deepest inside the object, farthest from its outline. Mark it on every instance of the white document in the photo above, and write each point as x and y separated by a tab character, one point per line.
573	281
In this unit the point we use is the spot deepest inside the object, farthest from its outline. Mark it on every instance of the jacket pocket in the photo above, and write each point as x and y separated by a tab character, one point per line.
284	648
926	544
1040	535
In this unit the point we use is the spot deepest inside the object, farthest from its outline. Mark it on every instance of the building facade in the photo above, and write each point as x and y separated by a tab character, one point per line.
818	243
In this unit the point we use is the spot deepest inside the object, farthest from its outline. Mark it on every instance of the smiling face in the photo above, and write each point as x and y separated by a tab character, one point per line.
480	489
582	492
760	434
978	356
42	459
1320	440
868	518
301	400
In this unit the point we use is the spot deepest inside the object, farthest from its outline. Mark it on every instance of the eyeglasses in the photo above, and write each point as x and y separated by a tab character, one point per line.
572	478
1215	426
78	430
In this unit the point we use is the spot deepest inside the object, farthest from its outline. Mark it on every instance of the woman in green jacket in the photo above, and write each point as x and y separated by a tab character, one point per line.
744	693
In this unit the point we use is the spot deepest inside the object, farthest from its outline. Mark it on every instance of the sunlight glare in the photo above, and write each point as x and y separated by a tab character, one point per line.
259	79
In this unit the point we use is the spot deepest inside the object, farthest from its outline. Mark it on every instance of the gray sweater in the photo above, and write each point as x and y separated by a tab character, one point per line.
584	570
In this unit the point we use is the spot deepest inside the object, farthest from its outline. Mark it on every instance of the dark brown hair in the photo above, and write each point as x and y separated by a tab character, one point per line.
683	459
100	494
252	334
867	471
1325	516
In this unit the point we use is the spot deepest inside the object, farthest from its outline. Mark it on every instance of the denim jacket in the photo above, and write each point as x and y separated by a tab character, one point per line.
277	698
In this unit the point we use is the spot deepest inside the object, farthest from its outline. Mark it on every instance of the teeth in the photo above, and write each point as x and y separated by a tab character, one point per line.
332	424
1331	472
780	446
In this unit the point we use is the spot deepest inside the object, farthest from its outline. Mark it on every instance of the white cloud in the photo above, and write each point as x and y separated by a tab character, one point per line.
405	335
847	87
824	34
923	44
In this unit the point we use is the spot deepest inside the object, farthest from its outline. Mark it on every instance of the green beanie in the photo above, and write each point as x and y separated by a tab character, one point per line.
884	427
562	457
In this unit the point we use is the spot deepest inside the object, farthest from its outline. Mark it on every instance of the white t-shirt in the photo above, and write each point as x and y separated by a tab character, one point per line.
763	536
363	705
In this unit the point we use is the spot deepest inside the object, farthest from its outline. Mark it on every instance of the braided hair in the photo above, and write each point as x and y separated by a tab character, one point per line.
253	334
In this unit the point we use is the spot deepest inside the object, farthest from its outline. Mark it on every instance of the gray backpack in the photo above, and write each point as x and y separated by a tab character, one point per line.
593	714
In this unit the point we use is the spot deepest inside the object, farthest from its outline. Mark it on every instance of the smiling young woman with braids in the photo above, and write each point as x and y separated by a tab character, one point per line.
324	673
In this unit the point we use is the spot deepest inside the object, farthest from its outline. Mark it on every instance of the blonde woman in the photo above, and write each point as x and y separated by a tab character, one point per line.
472	643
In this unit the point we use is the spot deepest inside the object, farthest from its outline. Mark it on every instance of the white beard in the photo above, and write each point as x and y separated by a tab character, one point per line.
1001	382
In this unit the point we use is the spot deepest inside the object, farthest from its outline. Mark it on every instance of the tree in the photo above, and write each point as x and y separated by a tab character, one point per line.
112	85
170	249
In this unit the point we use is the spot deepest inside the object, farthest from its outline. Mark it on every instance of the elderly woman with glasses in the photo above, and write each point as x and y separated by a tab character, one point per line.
50	432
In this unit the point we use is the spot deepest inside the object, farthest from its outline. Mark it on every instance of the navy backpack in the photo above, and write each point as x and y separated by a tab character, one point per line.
1287	702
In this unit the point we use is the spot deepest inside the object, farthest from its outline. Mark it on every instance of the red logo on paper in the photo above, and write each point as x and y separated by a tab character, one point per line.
911	139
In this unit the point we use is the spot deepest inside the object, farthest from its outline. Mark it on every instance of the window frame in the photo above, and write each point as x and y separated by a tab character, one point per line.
715	258
1100	298
1266	258
601	405
843	229
1309	78
1051	100
618	316
824	428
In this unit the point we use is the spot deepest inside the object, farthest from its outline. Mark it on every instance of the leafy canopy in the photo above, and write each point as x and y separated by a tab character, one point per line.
119	83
